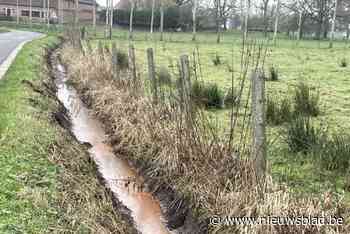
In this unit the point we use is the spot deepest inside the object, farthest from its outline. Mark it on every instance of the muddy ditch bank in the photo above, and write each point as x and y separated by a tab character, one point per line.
153	207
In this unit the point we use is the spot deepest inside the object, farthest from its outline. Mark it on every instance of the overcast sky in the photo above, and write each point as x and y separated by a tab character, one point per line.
103	2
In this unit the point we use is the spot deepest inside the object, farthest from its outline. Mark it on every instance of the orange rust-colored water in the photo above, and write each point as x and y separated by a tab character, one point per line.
120	178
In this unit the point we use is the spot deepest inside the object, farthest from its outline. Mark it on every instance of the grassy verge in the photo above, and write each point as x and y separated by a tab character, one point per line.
3	30
27	176
47	183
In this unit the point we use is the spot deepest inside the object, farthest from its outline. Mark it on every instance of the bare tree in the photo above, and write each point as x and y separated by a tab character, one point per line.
107	17
30	12
111	19
320	12
333	23
161	21
194	19
152	17
276	21
48	13
17	11
94	16
133	3
76	16
60	12
298	8
222	9
163	5
44	12
265	18
246	18
219	5
300	21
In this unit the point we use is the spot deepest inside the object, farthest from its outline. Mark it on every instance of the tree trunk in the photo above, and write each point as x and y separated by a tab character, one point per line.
17	12
194	19
218	22
152	17
325	30
266	2
131	36
60	15
76	12
94	17
48	13
347	31
276	21
30	13
161	21
45	13
333	23
300	25
319	28
242	16
246	17
111	20
107	17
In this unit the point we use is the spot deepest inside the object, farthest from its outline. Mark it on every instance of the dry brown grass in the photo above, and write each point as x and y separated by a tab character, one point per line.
185	154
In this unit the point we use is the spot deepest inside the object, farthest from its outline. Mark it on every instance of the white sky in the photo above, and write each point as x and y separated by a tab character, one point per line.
103	2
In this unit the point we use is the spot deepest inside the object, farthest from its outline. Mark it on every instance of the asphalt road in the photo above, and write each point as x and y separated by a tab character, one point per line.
10	40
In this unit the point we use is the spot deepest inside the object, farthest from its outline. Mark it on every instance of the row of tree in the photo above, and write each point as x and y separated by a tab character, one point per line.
305	17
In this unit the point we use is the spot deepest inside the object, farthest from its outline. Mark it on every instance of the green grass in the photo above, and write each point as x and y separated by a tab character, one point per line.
37	27
3	30
309	61
27	177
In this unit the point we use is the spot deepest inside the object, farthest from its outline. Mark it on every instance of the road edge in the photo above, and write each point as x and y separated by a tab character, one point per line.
9	60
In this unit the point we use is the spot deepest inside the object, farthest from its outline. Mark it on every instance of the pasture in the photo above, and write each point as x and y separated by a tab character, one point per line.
325	70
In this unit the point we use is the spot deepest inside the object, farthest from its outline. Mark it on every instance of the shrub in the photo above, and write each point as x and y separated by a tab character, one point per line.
278	112
273	74
213	96
208	95
122	59
334	153
231	97
164	76
107	49
272	112
306	102
343	62
196	91
217	60
303	136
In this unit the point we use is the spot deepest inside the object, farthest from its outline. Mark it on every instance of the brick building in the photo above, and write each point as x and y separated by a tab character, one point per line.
56	10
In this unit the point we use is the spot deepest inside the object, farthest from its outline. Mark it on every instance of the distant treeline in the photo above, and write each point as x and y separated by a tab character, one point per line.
173	18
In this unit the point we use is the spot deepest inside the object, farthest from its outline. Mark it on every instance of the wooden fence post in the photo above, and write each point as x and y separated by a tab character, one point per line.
132	62
88	46
186	87
186	79
259	124
115	68
100	49
152	74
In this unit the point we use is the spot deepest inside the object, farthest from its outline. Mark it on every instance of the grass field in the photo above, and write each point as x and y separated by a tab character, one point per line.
309	61
27	176
3	30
